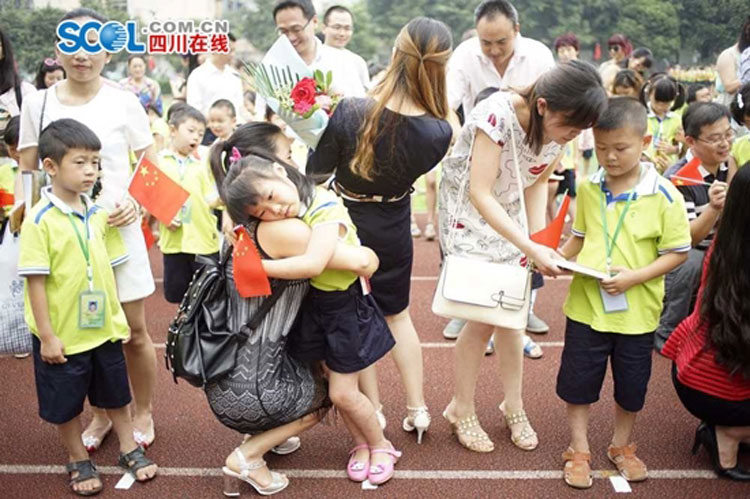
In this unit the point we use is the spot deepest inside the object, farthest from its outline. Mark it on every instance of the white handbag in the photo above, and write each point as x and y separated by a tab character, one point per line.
481	291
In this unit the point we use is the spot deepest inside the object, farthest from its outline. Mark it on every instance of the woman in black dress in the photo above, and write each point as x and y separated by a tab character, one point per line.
377	147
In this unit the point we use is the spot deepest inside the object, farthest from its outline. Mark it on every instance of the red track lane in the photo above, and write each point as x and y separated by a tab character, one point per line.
191	442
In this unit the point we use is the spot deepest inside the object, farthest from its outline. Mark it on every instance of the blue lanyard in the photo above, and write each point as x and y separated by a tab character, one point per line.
610	245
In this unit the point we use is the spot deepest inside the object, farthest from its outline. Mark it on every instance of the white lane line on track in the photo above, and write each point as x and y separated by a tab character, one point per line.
545	344
25	469
416	278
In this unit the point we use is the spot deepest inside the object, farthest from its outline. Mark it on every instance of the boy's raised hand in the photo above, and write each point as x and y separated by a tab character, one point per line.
623	280
52	351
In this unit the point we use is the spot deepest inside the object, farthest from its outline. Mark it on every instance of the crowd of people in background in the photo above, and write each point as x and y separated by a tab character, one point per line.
615	139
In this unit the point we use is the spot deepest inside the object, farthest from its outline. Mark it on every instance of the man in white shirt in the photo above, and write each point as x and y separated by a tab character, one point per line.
213	80
338	27
497	57
297	20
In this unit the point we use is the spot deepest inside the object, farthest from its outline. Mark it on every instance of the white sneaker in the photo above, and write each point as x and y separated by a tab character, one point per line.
536	325
453	328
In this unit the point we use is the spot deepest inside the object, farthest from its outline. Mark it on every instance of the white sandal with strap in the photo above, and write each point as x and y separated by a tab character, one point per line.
278	481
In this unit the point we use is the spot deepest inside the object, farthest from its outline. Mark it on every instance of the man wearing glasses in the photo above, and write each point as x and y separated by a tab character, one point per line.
338	27
709	136
297	20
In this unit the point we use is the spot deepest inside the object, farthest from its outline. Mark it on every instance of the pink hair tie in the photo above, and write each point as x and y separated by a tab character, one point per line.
236	156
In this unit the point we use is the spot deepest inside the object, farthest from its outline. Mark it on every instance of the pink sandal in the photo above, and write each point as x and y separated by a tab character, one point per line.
357	470
381	473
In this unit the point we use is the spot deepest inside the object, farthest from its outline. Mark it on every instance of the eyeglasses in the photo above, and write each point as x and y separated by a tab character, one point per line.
341	27
294	30
614	48
51	62
717	139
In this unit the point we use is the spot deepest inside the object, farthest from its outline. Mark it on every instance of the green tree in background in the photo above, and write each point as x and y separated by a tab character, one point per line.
32	33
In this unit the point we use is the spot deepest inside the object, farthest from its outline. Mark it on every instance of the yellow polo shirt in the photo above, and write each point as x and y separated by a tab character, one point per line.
198	234
49	247
8	169
656	223
663	130
741	150
327	208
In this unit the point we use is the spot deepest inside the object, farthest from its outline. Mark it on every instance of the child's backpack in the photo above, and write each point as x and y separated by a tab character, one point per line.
200	347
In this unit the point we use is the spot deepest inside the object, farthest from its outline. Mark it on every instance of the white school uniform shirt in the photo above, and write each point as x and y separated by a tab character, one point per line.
8	99
470	71
207	84
350	75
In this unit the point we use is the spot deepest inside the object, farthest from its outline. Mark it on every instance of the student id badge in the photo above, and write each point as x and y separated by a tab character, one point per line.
91	309
613	303
186	212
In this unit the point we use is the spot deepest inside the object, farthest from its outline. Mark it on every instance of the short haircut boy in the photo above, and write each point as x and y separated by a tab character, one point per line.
65	134
623	112
225	104
185	113
700	114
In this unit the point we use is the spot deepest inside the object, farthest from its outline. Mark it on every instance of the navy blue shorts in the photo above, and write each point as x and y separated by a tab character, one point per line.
584	364
344	328
100	374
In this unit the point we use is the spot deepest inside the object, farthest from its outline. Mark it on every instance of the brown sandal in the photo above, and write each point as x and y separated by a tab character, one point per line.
630	467
577	472
470	434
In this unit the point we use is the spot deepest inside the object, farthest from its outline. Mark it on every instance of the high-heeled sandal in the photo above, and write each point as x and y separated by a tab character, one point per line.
470	434
381	473
357	471
527	433
231	487
418	419
705	435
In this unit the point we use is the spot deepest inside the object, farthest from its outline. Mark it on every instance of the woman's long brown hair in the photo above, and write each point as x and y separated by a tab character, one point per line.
417	70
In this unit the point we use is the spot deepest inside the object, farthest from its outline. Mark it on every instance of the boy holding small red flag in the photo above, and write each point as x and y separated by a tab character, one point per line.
702	178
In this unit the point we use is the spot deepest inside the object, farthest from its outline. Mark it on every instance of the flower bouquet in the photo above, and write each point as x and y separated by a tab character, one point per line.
299	96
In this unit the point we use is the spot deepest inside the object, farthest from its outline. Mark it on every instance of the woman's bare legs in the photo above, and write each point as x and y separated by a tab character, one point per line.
254	448
141	361
408	356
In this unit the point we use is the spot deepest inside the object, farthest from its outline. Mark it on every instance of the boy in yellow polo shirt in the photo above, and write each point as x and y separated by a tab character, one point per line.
194	230
67	254
632	224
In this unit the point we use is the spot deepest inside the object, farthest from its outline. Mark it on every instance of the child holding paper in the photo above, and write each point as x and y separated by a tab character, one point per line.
631	222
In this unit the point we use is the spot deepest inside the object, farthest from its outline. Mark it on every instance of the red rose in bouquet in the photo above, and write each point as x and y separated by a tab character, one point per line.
303	95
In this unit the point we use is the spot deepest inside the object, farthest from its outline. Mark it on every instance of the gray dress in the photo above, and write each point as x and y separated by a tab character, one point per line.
267	388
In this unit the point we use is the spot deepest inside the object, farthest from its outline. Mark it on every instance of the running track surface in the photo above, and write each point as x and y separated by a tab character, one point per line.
191	445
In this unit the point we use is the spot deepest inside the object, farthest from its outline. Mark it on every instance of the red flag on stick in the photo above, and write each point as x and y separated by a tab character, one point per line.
249	277
6	198
159	194
148	235
689	174
550	235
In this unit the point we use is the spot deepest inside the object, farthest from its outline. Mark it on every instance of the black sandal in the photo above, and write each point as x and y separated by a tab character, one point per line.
86	471
134	461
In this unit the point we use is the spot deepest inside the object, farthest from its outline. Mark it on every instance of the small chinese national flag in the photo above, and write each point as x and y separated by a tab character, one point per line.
6	198
550	235
249	277
159	194
689	174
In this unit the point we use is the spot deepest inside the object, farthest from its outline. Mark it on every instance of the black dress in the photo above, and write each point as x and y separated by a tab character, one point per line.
409	147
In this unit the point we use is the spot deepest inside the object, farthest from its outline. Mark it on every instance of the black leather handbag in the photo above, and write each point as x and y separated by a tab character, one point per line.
200	347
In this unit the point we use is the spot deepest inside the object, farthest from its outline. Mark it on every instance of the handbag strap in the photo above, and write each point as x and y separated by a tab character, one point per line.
41	115
465	180
276	291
